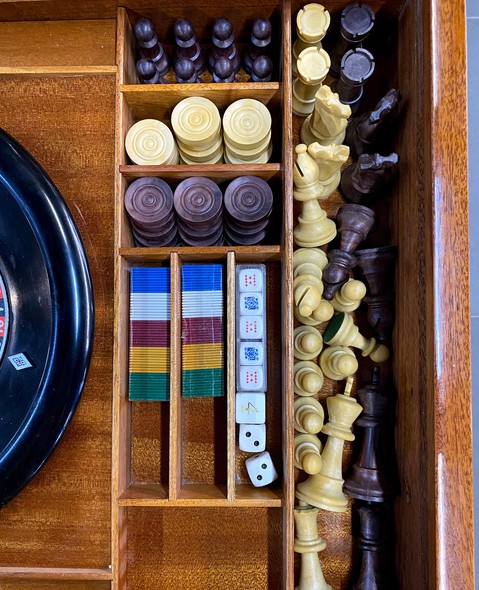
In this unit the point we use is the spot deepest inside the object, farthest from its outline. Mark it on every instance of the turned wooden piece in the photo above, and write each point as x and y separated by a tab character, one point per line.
357	67
349	297
329	159
312	23
362	132
327	123
338	362
378	267
305	260
308	544
308	378
367	176
308	343
308	415
370	480
342	331
224	44
324	489
314	228
313	66
260	40
187	46
354	222
150	48
307	453
323	313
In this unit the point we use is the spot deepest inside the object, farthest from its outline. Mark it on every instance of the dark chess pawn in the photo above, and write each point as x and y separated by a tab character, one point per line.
149	45
262	69
224	45
185	71
370	480
362	132
260	40
187	45
147	72
357	21
354	223
223	70
366	176
357	66
378	268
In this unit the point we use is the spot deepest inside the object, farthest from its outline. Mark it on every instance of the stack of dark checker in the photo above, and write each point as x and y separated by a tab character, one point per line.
149	203
248	205
198	203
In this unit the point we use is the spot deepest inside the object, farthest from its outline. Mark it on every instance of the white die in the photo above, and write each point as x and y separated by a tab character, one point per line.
251	379
250	279
251	304
251	353
252	437
260	469
251	327
250	408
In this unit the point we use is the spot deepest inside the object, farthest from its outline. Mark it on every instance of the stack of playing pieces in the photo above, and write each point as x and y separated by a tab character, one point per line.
151	143
198	203
150	334
248	203
247	132
202	356
149	203
197	125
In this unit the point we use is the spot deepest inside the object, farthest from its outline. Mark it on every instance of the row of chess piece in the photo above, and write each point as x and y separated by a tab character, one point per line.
189	59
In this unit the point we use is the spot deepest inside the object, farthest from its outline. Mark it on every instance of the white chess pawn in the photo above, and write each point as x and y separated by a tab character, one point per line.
308	543
338	362
329	159
308	343
307	291
305	258
308	415
314	228
325	489
313	66
349	297
323	313
307	453
342	331
308	378
312	23
328	121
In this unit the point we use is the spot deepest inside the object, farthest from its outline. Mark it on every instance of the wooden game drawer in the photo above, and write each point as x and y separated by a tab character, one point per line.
150	496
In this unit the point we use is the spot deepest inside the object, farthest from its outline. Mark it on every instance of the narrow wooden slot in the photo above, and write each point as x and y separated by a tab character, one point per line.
139	494
209	253
125	44
214	171
176	410
231	369
55	573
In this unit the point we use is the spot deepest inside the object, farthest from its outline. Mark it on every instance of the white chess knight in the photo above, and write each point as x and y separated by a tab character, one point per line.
329	159
328	121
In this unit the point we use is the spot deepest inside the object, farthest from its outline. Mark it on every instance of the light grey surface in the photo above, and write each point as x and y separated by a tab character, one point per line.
473	115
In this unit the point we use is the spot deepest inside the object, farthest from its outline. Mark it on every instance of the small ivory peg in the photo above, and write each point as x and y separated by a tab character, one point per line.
307	453
307	293
308	378
308	343
308	415
338	362
313	66
342	331
349	297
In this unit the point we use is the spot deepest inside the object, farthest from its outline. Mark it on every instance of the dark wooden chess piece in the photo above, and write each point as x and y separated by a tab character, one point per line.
357	67
378	266
147	72
149	45
370	480
354	223
185	71
366	176
223	70
187	45
261	69
259	42
357	21
224	45
362	132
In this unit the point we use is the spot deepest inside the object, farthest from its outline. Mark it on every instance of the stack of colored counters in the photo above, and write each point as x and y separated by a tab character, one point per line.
198	203
197	125
247	132
150	334
248	205
149	203
202	330
151	143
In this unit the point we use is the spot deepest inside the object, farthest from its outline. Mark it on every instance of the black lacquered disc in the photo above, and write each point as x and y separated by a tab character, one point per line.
248	199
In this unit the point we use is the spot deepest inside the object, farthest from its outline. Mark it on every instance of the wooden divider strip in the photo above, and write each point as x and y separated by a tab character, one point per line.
231	372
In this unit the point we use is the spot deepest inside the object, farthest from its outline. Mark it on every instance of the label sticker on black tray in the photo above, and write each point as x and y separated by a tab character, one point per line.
20	361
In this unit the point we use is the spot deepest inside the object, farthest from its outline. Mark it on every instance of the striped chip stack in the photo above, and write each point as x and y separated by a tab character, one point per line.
150	334
202	330
196	123
247	132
